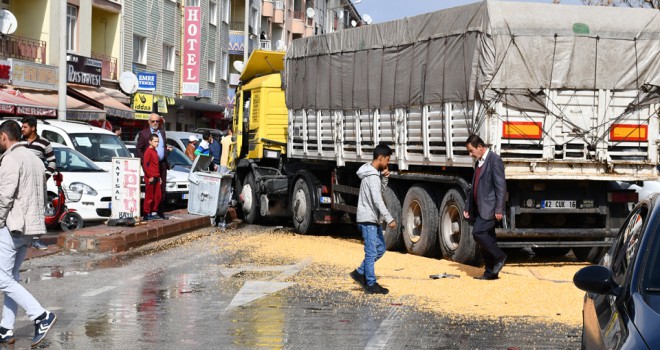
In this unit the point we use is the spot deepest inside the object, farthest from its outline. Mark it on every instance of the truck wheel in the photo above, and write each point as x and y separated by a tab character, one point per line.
393	237
250	200
589	254
301	207
456	241
419	218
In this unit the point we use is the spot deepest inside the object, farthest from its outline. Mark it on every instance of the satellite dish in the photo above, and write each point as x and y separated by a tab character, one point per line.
353	23
238	65
128	82
280	46
367	19
340	14
310	13
8	23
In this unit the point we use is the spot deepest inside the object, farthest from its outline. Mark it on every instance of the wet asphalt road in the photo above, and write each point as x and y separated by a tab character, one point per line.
184	295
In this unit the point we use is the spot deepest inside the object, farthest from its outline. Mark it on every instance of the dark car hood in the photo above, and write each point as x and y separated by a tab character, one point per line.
647	318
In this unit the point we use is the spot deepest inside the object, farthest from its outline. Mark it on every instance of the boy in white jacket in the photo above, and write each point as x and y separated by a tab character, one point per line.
371	211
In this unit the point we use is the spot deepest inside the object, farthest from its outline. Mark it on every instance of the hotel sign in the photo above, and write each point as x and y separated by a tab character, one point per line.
191	45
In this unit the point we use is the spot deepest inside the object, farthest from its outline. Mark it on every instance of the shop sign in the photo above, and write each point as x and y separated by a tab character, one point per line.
147	81
143	102
161	101
33	75
191	56
125	188
142	116
36	111
83	70
5	71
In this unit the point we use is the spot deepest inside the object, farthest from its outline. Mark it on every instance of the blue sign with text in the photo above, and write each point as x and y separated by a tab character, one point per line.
146	81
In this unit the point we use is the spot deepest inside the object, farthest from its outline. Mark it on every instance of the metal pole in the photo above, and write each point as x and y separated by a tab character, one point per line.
61	88
246	28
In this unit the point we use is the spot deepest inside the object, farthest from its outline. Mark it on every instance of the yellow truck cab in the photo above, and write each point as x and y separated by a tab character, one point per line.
260	116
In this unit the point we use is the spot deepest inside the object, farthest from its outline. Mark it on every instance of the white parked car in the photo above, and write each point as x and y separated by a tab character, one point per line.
97	144
80	174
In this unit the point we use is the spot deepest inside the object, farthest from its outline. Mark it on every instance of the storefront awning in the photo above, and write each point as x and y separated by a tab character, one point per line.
180	103
75	109
117	95
13	102
97	98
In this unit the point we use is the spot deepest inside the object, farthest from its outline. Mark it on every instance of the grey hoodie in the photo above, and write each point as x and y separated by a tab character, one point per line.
371	206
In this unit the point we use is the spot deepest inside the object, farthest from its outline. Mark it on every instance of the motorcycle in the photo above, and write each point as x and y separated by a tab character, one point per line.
57	212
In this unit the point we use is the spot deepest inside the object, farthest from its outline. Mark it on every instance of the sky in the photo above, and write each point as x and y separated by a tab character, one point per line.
387	10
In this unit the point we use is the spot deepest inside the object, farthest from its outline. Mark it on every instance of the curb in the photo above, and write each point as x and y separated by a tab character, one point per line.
102	238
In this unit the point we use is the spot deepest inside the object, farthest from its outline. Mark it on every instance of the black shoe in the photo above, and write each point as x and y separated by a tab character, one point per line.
146	217
376	289
499	264
486	276
162	216
37	243
359	278
7	336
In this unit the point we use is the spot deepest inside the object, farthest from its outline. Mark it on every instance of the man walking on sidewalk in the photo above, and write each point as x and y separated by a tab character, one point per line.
42	149
21	217
371	211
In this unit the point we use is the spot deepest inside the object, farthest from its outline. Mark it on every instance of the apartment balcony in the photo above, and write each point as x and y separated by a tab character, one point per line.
278	16
108	66
298	22
267	8
23	48
265	45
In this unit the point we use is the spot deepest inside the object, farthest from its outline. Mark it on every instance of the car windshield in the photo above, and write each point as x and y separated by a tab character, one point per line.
176	157
651	279
99	147
69	160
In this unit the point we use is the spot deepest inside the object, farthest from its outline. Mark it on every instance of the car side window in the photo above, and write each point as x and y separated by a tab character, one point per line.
172	143
53	136
628	243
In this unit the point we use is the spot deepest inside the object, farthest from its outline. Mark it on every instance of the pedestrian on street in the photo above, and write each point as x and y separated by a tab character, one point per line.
117	130
226	142
485	204
371	211
42	149
162	150
203	147
21	217
152	180
191	147
216	151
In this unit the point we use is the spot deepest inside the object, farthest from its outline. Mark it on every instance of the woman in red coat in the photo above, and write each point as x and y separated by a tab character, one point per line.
152	195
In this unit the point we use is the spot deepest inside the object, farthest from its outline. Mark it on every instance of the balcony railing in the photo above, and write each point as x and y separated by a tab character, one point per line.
298	15
265	45
239	26
109	66
23	48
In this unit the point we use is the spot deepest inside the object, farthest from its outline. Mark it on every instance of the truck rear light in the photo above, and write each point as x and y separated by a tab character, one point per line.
522	130
622	197
325	189
629	132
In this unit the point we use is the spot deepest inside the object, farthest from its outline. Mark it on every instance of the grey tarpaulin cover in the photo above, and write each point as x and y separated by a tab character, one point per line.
467	52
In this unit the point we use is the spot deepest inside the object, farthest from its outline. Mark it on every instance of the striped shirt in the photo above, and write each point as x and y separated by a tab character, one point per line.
42	149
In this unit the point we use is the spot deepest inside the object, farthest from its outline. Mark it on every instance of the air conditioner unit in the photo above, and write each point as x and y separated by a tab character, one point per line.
279	5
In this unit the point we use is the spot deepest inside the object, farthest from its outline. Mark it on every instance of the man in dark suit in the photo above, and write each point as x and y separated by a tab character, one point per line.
485	204
155	127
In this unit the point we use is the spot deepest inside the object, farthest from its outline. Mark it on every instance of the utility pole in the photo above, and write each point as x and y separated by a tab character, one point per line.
61	88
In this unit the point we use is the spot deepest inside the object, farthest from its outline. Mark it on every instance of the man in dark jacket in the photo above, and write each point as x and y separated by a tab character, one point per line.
485	204
162	150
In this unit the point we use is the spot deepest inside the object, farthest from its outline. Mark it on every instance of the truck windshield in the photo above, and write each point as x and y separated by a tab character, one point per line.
99	147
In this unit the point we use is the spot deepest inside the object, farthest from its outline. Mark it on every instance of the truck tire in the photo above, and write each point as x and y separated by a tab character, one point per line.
393	237
589	254
301	207
454	231
419	218
250	199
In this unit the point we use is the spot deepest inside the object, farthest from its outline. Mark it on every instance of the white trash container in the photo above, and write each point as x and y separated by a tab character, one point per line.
209	192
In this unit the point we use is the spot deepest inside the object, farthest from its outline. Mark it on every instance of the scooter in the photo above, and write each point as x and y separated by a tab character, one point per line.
57	212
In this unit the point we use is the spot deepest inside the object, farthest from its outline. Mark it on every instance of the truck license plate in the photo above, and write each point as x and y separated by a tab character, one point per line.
552	204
